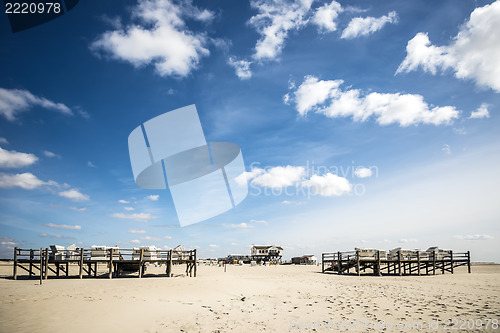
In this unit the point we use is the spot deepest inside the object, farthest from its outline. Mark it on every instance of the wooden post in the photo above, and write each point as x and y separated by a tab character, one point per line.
67	268
418	263
81	264
31	263
357	263
141	256
378	263
95	269
41	266
399	262
57	269
339	263
15	264
169	263
322	262
195	264
110	271
46	263
434	263
451	261
468	261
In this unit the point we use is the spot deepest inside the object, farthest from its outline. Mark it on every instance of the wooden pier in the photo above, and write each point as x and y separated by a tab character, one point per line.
39	262
402	263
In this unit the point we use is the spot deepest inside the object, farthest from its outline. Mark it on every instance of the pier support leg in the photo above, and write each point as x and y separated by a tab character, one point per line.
358	269
141	264
195	263
41	265
31	263
14	273
468	261
451	262
110	272
80	274
418	263
46	264
399	263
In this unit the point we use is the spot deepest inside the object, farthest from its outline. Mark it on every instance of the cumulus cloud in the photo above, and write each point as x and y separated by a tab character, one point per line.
27	181
15	101
363	172
327	98
137	231
481	112
74	195
4	141
446	149
213	245
139	217
51	154
128	208
475	237
78	209
135	241
63	226
328	185
325	16
279	177
242	225
275	19
153	197
159	36
362	26
241	67
123	201
472	54
14	159
258	221
248	175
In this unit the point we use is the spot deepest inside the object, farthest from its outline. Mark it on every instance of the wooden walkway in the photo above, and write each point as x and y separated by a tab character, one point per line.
117	261
417	264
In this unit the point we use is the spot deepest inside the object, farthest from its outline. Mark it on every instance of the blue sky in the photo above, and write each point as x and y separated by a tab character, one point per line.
361	124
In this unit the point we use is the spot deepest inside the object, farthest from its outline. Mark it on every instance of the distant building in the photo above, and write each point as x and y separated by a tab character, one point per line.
305	260
267	253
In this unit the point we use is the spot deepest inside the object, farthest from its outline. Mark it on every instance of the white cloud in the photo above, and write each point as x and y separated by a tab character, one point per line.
406	240
241	67
327	98
325	16
279	177
63	226
140	217
136	231
258	221
248	175
153	197
14	159
476	237
328	185
78	209
213	246
242	225
363	172
15	101
362	26
481	112
472	54
26	180
123	201
90	164
274	21
135	241
4	141
51	154
446	149
159	37
149	238
128	208
74	195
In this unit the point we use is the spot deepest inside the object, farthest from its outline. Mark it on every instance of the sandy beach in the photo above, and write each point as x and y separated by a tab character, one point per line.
254	299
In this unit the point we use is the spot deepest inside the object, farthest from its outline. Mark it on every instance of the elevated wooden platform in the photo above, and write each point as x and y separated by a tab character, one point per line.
417	264
40	262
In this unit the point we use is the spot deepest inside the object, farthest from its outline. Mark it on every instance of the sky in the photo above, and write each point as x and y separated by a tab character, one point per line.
361	123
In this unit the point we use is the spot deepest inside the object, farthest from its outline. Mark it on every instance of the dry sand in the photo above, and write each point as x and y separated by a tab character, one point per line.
253	299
